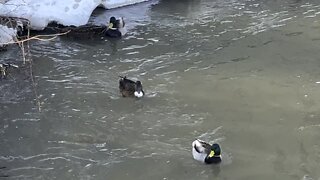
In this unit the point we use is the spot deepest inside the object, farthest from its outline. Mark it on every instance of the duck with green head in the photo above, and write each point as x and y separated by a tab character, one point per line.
114	26
204	152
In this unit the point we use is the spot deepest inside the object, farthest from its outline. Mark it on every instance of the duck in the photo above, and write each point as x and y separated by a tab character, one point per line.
206	153
114	26
129	88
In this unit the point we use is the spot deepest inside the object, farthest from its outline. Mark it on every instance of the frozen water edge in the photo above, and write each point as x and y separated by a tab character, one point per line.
7	35
66	12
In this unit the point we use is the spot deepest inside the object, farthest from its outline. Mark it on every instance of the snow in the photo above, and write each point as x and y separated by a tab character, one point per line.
66	12
7	35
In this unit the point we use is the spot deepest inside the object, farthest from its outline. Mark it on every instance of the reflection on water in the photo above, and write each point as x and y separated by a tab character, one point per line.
243	73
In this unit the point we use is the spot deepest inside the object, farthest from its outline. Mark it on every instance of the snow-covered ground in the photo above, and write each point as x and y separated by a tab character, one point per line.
7	35
66	12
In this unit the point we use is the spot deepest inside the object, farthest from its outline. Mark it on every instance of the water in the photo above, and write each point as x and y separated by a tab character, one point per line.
243	73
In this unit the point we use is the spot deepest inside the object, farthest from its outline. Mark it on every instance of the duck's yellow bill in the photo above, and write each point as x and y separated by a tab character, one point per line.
211	153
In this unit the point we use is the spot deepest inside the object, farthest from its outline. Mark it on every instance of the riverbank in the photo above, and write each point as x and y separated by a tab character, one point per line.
67	13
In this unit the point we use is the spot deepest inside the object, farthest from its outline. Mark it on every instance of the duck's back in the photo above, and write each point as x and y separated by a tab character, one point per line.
127	87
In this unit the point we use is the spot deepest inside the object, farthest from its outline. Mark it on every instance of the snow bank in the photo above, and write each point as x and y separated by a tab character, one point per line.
7	35
66	12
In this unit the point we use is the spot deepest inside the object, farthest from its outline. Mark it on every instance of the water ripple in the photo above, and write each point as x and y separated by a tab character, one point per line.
86	129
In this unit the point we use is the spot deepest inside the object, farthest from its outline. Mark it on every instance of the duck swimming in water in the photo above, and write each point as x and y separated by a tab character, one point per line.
129	88
114	27
205	152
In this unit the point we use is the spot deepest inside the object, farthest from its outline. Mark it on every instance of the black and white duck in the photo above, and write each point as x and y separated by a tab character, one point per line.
129	88
204	152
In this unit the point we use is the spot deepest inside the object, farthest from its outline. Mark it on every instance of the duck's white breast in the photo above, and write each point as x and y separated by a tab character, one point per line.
198	156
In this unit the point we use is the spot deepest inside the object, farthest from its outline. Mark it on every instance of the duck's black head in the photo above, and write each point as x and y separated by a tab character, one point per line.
216	149
113	20
138	89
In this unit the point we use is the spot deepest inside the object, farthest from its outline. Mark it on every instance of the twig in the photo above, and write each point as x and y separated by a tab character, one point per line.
27	56
37	37
23	53
34	86
31	72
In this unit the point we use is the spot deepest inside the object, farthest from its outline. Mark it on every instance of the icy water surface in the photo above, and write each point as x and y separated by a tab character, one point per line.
243	73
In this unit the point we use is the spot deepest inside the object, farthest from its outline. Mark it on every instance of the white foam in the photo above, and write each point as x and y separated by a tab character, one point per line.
65	12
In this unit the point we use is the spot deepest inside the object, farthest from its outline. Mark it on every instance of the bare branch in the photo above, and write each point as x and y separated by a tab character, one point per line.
37	37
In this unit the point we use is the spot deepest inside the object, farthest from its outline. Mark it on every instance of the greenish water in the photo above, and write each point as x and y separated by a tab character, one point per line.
243	73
